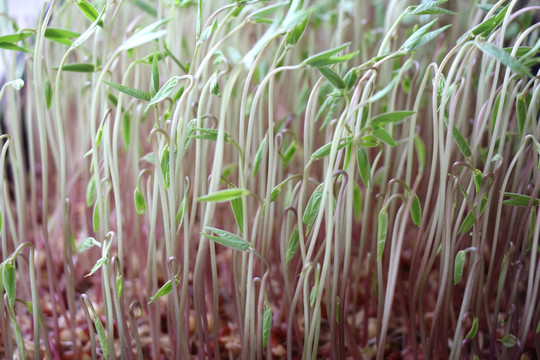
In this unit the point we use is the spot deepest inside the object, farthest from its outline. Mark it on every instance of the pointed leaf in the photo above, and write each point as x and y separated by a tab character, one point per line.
364	167
293	246
140	201
521	114
458	266
78	67
508	340
258	157
224	195
391	117
89	11
13	38
227	239
165	90
238	211
87	244
144	35
503	57
324	150
333	77
14	47
416	210
429	8
461	142
384	136
98	264
101	336
382	227
136	93
474	329
312	207
8	280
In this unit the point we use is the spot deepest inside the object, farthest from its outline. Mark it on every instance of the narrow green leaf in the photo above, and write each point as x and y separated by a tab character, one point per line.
265	12
324	150
293	246
140	201
62	36
14	47
332	60
312	207
364	168
48	93
350	78
267	324
208	32
429	8
391	117
98	264
514	199
258	157
136	93
165	90
154	80
289	153
198	24
458	266
508	340
146	7
87	244
416	210
416	36
487	26
144	35
357	201
78	67
382	227
164	290
420	152
227	239
13	38
90	12
474	329
119	285
214	85
461	142
101	336
521	114
180	213
297	31
126	129
315	287
478	178
224	195
384	136
238	211
503	57
95	218
333	77
8	280
164	166
325	55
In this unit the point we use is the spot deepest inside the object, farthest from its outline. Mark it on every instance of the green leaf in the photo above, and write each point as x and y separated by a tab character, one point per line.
90	12
315	287
364	168
468	222
357	201
459	262
382	228
126	129
144	35
180	213
164	166
227	239
519	200
224	195
208	32
420	152
391	117
164	290
474	329
101	336
48	93
78	67
324	150
119	285
136	93
333	77
429	8
146	7
478	178
198	24
312	207
95	218
238	211
140	201
289	153
293	245
324	58
503	57
488	25
297	31
11	46
461	142
88	32
258	157
422	36
267	324
98	264
416	210
61	36
8	280
508	340
521	114
165	90
154	80
384	136
87	244
214	85
13	38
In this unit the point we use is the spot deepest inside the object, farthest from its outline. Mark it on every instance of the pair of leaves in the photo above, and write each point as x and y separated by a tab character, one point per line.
9	42
421	37
377	124
227	239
